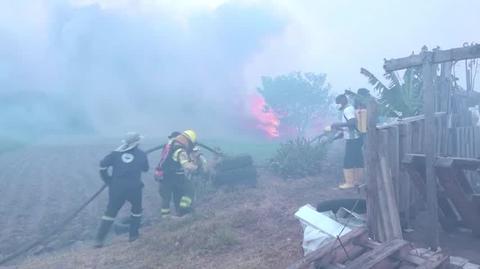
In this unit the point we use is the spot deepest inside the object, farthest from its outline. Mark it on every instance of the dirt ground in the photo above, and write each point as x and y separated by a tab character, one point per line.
231	228
457	243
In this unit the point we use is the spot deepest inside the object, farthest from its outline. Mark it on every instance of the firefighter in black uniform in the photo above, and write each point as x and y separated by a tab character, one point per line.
124	184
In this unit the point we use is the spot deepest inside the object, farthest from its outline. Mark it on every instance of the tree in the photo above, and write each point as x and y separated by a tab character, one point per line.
297	98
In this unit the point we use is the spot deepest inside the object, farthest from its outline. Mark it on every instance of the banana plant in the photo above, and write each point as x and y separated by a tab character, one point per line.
401	97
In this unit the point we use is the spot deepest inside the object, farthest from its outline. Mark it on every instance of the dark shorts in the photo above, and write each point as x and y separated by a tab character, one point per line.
353	154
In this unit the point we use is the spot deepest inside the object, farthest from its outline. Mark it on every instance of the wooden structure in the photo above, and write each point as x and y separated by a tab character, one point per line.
458	204
426	159
355	250
445	130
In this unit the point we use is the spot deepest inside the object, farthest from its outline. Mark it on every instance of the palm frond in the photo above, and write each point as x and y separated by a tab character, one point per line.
372	79
393	78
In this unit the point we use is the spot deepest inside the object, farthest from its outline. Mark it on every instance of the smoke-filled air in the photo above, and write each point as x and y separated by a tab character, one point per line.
182	134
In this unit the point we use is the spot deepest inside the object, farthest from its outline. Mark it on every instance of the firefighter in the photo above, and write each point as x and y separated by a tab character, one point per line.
173	172
127	163
164	188
353	159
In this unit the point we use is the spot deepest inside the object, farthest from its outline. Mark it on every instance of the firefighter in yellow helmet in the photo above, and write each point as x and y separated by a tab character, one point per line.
172	171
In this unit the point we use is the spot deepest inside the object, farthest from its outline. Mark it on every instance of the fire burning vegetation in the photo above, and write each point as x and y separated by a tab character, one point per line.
267	120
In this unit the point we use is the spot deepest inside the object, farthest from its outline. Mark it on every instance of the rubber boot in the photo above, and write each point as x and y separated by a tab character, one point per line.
102	233
134	227
349	175
358	178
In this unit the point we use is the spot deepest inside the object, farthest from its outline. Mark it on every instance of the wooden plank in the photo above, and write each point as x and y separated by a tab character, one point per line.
467	142
456	162
462	145
327	249
429	149
371	161
405	148
403	256
394	140
464	183
409	120
445	76
340	255
377	255
458	143
387	201
438	56
475	141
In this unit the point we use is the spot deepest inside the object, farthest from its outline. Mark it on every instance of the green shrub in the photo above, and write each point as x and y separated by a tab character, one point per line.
298	158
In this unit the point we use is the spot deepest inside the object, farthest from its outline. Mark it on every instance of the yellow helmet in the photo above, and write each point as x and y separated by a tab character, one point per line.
191	135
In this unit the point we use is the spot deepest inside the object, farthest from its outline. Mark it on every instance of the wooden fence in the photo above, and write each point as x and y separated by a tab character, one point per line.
406	137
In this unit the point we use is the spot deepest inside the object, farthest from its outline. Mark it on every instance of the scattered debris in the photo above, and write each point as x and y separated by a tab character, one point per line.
355	250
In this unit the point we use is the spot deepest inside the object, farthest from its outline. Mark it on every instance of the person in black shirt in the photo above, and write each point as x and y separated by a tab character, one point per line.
127	163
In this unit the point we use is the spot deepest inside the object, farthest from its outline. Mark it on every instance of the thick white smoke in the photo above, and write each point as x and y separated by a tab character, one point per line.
88	68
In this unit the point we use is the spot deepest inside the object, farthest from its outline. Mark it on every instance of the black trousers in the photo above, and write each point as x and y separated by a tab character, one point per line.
353	153
179	188
119	194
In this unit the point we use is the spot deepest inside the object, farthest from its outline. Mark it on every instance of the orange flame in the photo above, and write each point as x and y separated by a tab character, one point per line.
267	120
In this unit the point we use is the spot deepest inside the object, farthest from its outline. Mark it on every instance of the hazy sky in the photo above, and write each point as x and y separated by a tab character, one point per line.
125	62
338	37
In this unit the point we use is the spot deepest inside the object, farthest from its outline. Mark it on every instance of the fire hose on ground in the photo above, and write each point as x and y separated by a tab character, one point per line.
64	223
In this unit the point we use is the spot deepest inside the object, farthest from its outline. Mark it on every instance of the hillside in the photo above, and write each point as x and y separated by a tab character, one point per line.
231	228
241	228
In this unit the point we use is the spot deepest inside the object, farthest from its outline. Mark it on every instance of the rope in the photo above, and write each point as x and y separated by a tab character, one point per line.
69	219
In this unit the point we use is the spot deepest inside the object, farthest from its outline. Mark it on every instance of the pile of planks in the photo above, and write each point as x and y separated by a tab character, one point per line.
355	250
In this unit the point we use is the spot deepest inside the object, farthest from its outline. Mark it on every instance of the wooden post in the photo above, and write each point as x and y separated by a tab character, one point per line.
371	162
429	148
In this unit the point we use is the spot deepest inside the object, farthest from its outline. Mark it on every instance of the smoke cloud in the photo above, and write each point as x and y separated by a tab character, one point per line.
93	69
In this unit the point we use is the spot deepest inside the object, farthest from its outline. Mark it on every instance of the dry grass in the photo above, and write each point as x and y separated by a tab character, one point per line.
241	228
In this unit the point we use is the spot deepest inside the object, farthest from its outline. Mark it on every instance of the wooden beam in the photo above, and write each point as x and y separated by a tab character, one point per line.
377	255
402	256
439	56
429	148
327	249
408	120
371	162
460	163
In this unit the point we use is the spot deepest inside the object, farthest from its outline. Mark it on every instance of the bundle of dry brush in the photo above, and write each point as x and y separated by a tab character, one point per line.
298	158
